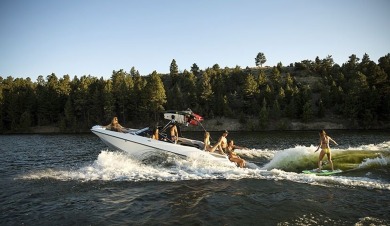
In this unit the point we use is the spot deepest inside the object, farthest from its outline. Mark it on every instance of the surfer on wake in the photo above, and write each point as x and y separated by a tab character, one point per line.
325	149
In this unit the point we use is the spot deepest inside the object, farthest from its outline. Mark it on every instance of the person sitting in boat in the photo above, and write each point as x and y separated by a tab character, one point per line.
223	142
207	144
233	157
115	126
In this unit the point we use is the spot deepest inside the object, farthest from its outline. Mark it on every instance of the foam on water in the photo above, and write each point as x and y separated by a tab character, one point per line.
302	157
118	166
290	157
256	153
385	146
331	180
378	161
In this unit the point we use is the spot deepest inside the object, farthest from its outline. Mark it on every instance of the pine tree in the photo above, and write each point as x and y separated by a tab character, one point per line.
205	91
260	59
195	70
250	87
108	102
263	117
321	109
174	72
261	78
69	123
307	110
276	112
156	92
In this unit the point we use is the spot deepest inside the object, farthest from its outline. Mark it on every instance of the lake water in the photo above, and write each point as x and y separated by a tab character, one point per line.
76	180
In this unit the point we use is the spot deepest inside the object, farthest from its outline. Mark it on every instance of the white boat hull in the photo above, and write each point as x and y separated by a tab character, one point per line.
140	147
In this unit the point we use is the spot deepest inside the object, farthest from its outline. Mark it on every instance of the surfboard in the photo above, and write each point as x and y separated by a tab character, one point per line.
322	173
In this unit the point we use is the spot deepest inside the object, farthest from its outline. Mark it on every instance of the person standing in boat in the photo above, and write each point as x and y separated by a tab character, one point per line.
115	126
325	149
174	133
233	157
207	144
155	135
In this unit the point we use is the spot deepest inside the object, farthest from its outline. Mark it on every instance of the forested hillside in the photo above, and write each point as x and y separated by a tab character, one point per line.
356	92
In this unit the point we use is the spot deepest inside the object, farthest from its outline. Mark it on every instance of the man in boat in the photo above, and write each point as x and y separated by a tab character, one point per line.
223	142
155	134
174	133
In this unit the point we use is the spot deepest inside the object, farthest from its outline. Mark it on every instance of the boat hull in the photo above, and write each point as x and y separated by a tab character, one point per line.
141	147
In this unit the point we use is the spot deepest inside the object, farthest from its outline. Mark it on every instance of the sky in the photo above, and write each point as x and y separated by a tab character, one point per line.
95	37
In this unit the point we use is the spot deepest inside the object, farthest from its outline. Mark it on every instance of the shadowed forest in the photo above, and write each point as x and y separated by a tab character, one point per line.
356	93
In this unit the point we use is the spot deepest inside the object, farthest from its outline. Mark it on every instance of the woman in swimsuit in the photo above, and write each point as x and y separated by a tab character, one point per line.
324	145
207	144
115	126
233	157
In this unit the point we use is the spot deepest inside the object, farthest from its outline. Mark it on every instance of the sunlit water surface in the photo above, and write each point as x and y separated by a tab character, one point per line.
76	180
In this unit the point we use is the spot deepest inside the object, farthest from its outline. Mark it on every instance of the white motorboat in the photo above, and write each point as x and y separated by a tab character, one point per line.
138	142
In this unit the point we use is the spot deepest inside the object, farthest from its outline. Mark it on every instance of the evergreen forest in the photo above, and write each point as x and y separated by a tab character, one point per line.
356	92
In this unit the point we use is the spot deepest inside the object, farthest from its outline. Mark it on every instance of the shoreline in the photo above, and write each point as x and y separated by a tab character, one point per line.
232	125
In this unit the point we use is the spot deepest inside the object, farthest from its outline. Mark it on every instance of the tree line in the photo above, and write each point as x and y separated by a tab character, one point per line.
358	91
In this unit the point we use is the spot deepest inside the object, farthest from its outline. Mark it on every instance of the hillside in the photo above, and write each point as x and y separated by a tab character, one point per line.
303	95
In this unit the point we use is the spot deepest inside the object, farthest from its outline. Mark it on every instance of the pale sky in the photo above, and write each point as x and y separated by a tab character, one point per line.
95	37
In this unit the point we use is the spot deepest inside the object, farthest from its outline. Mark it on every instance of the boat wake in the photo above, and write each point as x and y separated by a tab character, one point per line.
351	159
362	167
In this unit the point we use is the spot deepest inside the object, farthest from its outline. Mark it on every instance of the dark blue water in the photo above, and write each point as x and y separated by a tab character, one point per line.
76	180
